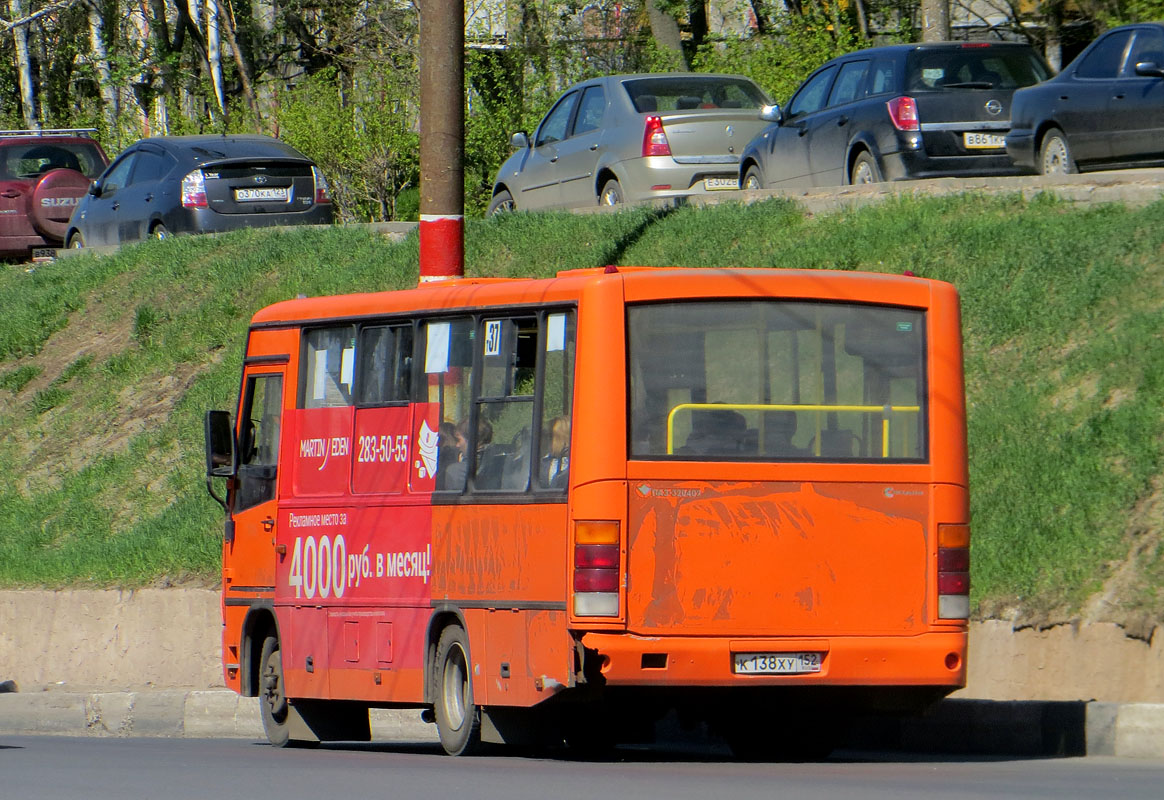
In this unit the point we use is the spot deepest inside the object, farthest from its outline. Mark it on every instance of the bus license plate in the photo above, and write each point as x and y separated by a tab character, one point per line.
776	663
982	141
719	184
252	195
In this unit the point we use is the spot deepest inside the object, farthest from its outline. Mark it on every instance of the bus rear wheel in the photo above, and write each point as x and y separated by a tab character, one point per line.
457	717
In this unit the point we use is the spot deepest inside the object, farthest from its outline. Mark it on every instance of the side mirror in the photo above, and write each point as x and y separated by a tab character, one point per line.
519	141
220	451
95	188
1149	69
772	113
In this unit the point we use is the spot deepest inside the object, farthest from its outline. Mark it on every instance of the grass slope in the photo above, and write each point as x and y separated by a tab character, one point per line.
107	364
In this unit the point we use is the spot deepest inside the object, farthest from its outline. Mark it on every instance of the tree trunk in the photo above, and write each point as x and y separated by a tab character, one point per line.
228	28
1053	49
110	96
214	50
665	29
935	20
23	67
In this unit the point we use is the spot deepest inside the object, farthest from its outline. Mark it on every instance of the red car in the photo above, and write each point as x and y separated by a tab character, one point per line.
43	175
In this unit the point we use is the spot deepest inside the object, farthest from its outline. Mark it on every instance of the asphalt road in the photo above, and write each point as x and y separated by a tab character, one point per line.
60	768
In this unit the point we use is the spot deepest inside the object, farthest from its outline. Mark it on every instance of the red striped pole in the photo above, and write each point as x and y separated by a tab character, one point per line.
442	139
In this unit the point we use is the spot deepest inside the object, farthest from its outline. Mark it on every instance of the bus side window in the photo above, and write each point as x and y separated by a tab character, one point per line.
557	402
448	368
385	374
509	368
330	358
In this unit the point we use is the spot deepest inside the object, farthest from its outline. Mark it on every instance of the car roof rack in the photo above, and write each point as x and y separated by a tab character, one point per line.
83	132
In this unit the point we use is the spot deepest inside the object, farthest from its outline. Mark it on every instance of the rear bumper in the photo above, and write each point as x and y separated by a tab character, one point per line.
916	164
928	659
22	246
205	220
673	179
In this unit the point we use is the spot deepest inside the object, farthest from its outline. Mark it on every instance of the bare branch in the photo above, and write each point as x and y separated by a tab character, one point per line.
6	25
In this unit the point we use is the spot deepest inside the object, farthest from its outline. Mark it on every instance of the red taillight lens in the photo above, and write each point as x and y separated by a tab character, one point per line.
596	556
953	583
321	191
596	580
194	190
953	560
655	138
903	114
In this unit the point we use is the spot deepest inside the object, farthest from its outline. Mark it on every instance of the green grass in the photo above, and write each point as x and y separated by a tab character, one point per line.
100	462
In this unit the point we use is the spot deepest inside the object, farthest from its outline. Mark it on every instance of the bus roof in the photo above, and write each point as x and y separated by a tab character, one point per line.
639	284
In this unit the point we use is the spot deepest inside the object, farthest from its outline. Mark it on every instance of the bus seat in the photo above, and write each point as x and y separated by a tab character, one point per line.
716	432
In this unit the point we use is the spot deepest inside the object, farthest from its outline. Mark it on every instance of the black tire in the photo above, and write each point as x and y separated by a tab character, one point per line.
1055	154
75	241
865	170
272	697
753	180
502	203
458	719
611	194
159	232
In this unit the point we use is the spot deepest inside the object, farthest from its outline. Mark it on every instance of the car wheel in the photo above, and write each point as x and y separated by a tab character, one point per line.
457	717
159	232
611	194
864	170
752	179
1055	155
501	204
75	241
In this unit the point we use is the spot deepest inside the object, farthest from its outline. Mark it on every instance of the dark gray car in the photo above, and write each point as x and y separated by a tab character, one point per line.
1104	110
895	113
199	184
628	138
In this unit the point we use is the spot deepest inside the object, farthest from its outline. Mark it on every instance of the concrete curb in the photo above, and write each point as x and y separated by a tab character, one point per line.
979	727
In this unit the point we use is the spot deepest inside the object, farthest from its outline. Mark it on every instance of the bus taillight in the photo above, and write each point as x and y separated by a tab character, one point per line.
597	573
953	571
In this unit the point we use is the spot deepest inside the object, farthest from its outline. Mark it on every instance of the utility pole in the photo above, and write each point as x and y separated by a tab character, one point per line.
935	20
442	139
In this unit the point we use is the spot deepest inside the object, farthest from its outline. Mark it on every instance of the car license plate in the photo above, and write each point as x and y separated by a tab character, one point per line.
252	195
983	141
776	663
44	253
719	184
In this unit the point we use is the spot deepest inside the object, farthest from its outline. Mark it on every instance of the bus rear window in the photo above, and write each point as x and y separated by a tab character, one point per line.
777	381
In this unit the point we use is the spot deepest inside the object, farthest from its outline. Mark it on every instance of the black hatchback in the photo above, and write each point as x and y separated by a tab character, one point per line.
200	184
895	113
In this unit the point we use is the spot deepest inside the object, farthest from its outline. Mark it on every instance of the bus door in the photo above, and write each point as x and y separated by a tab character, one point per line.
249	556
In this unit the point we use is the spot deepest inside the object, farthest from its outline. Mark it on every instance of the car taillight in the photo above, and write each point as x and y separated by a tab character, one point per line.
655	138
321	195
597	568
194	190
953	571
903	114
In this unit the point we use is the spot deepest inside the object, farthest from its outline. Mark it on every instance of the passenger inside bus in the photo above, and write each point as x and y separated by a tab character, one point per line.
555	466
451	476
779	429
717	432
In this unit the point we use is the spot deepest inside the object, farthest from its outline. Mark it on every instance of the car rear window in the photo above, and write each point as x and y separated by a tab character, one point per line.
693	91
974	67
28	161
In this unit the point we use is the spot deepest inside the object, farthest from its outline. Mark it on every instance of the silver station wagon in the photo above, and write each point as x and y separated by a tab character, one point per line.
629	138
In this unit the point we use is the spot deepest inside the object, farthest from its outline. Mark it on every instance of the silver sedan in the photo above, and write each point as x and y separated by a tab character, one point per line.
629	138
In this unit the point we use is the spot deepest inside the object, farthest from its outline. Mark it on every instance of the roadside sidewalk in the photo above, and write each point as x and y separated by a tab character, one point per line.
980	727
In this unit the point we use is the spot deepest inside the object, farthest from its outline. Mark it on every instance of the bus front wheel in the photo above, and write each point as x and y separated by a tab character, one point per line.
457	717
272	695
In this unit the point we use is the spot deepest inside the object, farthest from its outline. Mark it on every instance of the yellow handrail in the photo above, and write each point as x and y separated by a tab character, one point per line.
886	410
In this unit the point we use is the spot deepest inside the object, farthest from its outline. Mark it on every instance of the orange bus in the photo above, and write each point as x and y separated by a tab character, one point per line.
557	509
